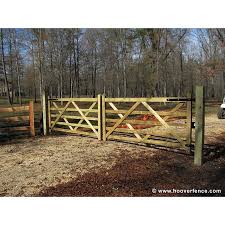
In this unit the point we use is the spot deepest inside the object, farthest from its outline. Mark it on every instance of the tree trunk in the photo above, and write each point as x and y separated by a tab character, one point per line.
4	69
17	71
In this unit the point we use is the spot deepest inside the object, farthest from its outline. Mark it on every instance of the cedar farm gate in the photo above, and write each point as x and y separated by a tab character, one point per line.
166	121
75	116
157	121
141	120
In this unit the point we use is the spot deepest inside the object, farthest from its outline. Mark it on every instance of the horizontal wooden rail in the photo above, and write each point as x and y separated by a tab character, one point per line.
149	141
14	118
74	125
161	113
91	134
153	99
148	123
146	131
73	99
10	129
73	110
14	109
74	117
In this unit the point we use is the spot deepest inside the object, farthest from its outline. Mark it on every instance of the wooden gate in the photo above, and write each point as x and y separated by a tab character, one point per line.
75	115
157	121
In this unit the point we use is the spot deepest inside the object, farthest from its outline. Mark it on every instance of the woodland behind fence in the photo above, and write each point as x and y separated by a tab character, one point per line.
115	62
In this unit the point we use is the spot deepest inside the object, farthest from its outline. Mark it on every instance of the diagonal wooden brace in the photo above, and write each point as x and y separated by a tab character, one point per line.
86	114
85	118
177	107
160	119
56	106
123	118
60	114
128	125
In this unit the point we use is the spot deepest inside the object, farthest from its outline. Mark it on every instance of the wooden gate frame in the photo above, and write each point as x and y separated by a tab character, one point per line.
107	132
82	117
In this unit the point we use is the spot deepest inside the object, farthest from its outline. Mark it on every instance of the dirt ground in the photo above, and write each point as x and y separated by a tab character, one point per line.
80	166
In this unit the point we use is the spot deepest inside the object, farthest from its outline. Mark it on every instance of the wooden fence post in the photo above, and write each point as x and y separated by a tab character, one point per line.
31	118
189	120
99	117
199	125
49	115
44	113
103	119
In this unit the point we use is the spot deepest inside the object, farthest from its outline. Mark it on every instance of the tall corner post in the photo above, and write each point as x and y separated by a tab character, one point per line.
199	125
31	118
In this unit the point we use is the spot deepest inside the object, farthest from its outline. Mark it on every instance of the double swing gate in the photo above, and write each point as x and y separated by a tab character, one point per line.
150	121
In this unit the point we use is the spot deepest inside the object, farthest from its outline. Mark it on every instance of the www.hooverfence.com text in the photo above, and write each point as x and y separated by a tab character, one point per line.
186	191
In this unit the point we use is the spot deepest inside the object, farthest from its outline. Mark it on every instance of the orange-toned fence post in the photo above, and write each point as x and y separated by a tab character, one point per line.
31	118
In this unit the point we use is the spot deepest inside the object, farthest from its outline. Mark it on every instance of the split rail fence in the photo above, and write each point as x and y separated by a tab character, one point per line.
17	119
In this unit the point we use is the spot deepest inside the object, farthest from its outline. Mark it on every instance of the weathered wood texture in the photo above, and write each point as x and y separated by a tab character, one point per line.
31	118
17	118
199	125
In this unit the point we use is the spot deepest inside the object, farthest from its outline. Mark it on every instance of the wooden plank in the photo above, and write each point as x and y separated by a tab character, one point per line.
74	110
31	117
199	125
150	131
44	113
74	117
11	129
128	124
161	113
49	114
153	99
123	118
151	141
189	121
103	119
85	118
164	123
99	117
91	134
74	99
15	119
15	109
74	125
150	123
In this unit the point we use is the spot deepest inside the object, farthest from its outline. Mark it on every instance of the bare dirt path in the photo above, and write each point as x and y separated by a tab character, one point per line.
80	166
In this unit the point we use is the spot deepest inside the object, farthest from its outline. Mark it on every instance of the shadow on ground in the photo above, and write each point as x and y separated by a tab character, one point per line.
138	176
